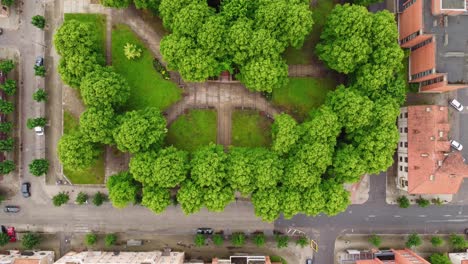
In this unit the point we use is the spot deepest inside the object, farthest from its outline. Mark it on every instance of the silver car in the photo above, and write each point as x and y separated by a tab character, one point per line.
456	145
457	105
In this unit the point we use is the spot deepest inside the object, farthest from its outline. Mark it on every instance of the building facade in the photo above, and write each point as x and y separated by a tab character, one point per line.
26	257
120	257
401	256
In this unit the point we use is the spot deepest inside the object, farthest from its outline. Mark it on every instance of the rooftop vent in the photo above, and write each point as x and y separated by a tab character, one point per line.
441	133
432	178
439	163
428	109
424	155
441	108
432	138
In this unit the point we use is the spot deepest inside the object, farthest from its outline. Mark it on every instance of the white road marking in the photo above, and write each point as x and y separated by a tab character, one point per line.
447	215
450	220
397	216
372	215
422	215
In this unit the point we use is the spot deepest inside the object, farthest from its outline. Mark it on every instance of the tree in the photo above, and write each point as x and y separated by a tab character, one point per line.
337	198
38	21
39	167
347	165
259	239
110	240
6	127
423	202
458	242
375	240
6	167
123	189
156	198
116	3
30	240
7	2
81	198
169	9
437	258
291	202
140	130
209	166
36	122
147	4
167	168
240	169
238	239
436	241
218	239
99	199
98	123
264	74
6	66
103	86
199	240
76	153
413	241
302	241
284	133
39	70
403	202
90	239
267	204
190	197
40	95
281	241
217	198
60	199
6	107
6	144
366	2
4	239
313	201
131	51
9	87
74	68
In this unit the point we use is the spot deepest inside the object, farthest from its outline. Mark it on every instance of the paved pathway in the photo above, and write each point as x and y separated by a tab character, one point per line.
307	70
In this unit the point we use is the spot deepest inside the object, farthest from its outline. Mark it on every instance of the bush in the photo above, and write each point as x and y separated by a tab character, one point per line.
281	241
38	21
81	198
199	240
110	240
458	242
4	239
413	241
259	239
422	202
39	167
7	2
61	198
218	239
36	122
6	144
99	198
302	241
30	240
39	70
6	66
436	241
375	240
437	258
6	167
6	107
9	87
6	127
131	51
161	69
437	201
40	95
403	202
238	239
90	239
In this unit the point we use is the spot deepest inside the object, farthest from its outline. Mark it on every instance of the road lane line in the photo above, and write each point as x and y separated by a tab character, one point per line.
397	216
422	215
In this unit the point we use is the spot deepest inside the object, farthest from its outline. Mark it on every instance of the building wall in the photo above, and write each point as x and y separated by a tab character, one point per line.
402	157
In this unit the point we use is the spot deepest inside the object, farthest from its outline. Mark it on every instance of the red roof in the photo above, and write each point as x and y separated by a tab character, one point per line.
411	20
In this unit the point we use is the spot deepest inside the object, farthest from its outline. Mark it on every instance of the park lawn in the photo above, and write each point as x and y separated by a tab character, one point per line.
92	175
301	95
306	53
192	130
98	21
148	88
250	129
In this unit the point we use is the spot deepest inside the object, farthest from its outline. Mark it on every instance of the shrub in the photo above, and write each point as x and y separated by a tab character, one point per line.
437	258
61	198
99	198
413	241
161	69
36	122
218	239
302	241
90	239
199	240
40	95
6	144
281	241
6	66
39	70
458	242
7	2
6	127
30	240
6	167
403	202
422	202
4	239
238	239
110	240
38	21
9	87
81	198
39	167
437	201
6	107
131	51
375	240
436	241
259	239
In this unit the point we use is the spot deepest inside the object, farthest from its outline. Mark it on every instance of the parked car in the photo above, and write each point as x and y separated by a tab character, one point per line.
39	61
310	261
11	232
11	209
1	31
456	145
39	131
25	189
457	105
205	231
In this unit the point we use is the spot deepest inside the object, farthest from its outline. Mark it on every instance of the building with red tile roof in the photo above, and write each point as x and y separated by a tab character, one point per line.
401	256
437	40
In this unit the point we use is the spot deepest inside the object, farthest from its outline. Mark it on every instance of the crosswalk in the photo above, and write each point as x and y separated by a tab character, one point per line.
81	228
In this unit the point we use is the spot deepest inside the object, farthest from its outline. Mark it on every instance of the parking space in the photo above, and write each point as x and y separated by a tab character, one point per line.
462	120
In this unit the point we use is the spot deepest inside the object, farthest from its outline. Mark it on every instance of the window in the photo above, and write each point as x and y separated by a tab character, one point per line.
421	74
406	144
408	4
410	37
401	144
422	44
401	168
401	130
406	130
432	81
406	169
406	115
406	159
401	159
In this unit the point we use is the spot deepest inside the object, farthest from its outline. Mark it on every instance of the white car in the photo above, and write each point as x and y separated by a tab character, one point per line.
456	145
39	130
457	105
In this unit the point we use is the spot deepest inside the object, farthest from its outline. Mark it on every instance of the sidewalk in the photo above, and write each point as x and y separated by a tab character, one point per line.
360	190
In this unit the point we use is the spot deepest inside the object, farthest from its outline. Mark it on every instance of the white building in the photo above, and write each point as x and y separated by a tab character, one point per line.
458	258
121	257
26	257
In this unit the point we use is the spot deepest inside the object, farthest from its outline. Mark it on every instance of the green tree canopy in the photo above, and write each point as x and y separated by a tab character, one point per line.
437	258
156	198
60	199
267	203
216	199
116	3
291	201
7	166
6	66
190	196
123	189
75	152
9	87
97	124
209	166
336	198
285	133
39	167
38	21
30	240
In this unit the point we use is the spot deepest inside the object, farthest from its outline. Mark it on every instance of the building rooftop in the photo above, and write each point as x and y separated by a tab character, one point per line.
453	4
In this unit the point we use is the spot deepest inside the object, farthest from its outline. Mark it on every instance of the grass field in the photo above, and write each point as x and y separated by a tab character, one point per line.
249	129
302	95
306	53
98	21
92	175
148	88
192	130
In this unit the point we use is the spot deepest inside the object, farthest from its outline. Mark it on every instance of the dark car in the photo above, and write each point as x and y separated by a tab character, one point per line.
25	189
204	231
39	61
11	209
